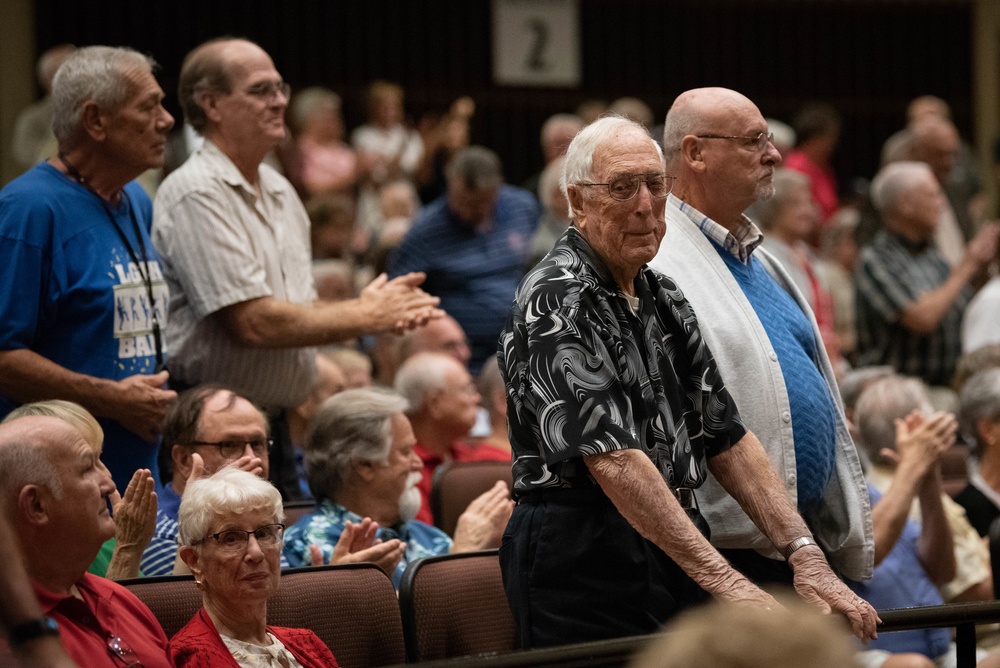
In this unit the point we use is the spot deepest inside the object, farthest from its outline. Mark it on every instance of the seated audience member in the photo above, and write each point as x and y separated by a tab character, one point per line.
56	496
443	405
331	226
557	132
329	381
895	427
33	140
838	257
472	243
327	163
817	132
230	538
207	428
493	395
361	463
357	366
633	109
972	580
134	514
973	363
979	414
555	212
789	220
399	205
909	300
720	635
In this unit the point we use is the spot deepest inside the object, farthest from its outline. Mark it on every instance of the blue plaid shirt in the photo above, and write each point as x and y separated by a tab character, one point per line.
323	527
741	244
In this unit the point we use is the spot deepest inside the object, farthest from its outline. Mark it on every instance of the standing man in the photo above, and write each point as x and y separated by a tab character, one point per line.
234	238
472	243
84	304
616	413
763	335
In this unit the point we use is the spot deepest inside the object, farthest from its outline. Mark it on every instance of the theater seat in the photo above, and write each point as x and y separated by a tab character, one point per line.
455	485
351	607
454	605
173	599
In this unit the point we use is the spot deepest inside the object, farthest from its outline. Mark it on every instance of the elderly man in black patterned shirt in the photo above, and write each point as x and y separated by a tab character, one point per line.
616	413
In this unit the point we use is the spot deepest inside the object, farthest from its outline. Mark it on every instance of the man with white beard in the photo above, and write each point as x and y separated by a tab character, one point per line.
362	469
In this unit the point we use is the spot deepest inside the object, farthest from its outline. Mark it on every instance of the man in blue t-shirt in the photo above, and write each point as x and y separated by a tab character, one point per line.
473	244
85	302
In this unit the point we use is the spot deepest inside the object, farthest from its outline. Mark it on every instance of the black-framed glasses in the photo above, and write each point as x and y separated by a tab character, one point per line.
626	186
236	540
120	650
233	449
269	90
758	141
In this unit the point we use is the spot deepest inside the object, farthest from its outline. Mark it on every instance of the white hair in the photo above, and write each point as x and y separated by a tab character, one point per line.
979	400
895	180
880	404
420	374
91	73
580	154
229	492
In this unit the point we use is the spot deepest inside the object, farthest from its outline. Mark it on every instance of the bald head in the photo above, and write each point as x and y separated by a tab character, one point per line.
29	448
715	142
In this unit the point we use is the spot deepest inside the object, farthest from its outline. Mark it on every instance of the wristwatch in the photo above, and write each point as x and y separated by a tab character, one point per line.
32	629
796	544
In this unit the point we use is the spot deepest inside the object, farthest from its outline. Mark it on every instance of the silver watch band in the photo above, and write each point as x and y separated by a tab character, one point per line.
796	544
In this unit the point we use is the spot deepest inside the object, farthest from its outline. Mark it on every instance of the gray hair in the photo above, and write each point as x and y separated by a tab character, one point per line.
420	374
352	426
881	404
894	181
229	492
786	182
682	120
979	399
310	101
91	73
857	380
580	154
475	168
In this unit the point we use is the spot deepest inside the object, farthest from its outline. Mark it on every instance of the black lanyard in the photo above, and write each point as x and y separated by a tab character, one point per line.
146	277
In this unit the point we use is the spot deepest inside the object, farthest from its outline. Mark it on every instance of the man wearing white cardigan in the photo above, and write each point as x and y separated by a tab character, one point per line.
763	335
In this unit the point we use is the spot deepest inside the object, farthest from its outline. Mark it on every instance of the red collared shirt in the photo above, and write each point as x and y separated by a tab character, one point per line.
460	452
107	609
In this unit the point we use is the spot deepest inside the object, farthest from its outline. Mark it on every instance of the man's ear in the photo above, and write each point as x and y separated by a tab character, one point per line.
93	121
209	102
365	469
181	457
690	153
575	197
32	503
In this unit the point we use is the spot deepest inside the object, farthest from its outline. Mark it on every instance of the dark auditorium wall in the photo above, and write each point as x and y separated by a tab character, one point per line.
867	58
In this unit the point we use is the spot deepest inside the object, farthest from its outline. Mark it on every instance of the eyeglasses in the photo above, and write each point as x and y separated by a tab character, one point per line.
759	141
269	90
119	649
233	449
625	187
236	540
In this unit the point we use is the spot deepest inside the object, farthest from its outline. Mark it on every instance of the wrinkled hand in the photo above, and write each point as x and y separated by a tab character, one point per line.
135	513
399	304
738	590
358	543
141	402
481	526
817	584
921	440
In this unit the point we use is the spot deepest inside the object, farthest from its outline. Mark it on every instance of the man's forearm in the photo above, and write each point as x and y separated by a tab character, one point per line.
923	315
639	493
747	474
936	545
27	376
272	323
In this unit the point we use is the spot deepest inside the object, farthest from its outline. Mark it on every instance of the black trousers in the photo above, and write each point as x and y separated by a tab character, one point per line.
574	570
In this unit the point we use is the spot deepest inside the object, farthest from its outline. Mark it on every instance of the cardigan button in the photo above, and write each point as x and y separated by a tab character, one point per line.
786	416
773	356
